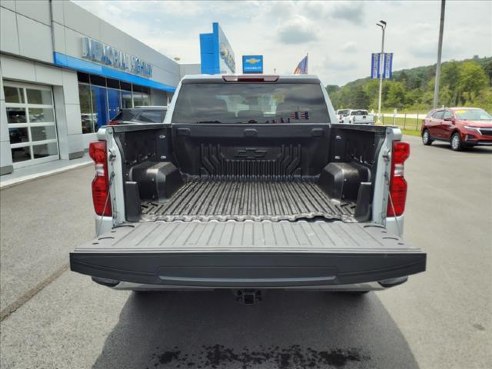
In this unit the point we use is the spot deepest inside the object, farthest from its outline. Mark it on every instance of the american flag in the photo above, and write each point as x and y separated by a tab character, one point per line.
302	67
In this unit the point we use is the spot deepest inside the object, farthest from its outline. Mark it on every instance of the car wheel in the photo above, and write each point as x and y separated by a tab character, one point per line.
456	143
426	138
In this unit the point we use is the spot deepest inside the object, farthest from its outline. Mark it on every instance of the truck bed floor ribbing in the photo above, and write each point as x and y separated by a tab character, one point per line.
248	200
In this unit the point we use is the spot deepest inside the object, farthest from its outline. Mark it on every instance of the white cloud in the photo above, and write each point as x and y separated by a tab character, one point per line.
339	36
349	46
350	11
297	30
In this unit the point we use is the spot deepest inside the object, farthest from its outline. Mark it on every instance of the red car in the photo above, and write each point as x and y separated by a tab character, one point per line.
461	127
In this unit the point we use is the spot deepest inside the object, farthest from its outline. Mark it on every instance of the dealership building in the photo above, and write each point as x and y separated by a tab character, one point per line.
64	73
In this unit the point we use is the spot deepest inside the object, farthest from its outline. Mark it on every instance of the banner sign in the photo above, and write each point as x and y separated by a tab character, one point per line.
375	65
388	65
252	64
376	61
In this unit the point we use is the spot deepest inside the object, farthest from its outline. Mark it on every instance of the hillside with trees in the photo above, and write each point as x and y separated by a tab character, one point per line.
463	83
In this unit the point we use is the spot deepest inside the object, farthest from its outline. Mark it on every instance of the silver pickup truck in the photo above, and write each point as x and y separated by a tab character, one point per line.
358	116
248	185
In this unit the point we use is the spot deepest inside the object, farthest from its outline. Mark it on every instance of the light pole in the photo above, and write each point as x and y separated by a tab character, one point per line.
381	24
439	52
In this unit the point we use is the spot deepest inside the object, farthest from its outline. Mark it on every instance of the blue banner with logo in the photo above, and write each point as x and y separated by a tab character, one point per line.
388	65
252	64
375	58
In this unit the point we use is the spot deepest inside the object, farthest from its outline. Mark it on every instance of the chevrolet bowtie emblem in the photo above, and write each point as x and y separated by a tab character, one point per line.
253	60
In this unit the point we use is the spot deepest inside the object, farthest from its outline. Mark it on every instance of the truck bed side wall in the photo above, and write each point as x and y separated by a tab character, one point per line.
245	152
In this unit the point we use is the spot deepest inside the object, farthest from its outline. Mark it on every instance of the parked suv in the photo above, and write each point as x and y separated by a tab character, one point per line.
140	114
461	127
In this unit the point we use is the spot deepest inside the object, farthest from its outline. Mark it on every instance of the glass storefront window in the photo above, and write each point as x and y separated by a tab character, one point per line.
86	114
101	99
42	97
141	99
114	102
13	95
18	135
43	133
21	154
126	97
16	115
31	123
38	115
99	106
43	150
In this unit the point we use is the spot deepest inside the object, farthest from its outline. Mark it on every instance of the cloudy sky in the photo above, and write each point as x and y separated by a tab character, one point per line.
338	35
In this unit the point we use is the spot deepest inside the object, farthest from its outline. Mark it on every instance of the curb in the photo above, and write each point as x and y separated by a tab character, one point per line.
16	181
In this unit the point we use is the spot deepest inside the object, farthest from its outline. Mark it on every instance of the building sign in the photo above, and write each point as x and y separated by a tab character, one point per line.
104	54
217	56
227	60
252	64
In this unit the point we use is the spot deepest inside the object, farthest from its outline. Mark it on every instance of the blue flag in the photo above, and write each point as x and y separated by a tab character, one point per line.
302	67
388	65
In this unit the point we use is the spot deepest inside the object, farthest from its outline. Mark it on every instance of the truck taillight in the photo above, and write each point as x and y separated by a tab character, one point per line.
398	185
100	183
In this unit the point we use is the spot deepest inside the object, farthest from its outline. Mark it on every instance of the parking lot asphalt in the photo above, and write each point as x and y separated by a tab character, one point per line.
439	319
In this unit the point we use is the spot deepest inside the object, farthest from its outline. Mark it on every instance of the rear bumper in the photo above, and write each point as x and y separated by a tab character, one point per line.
248	270
371	286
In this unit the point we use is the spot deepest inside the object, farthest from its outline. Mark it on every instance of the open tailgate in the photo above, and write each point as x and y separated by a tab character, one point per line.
248	254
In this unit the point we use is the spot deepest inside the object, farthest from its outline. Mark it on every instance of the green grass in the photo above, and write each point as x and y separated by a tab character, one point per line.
410	132
409	124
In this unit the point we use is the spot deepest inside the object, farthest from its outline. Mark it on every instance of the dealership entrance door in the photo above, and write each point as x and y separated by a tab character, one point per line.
31	123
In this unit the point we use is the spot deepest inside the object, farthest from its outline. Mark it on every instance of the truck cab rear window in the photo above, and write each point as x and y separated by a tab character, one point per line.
250	103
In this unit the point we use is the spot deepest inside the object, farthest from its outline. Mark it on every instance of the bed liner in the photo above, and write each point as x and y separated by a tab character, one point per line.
249	199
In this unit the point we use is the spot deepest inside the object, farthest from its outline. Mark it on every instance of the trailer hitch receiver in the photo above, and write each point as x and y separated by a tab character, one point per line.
248	297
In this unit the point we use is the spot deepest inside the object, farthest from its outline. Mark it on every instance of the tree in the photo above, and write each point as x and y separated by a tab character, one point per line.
471	80
371	88
488	69
332	89
396	95
466	82
449	83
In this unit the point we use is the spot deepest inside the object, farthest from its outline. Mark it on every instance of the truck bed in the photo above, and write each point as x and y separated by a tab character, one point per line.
206	199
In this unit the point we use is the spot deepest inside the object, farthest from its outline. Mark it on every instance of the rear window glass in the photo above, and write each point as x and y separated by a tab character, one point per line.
359	112
125	115
141	115
250	103
153	116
